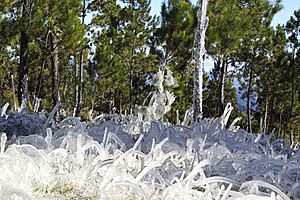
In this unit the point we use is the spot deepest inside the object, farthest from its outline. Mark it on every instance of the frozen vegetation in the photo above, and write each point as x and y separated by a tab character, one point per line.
139	156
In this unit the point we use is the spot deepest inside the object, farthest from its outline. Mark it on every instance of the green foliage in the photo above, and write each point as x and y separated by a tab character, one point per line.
40	19
122	61
172	43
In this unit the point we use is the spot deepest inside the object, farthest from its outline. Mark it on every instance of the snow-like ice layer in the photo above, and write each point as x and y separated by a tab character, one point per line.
124	157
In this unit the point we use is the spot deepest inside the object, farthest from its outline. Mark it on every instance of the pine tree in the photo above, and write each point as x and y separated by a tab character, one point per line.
19	16
253	47
270	90
65	38
293	31
8	64
122	58
230	23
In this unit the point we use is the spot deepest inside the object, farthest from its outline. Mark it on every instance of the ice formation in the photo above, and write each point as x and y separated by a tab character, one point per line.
141	157
100	160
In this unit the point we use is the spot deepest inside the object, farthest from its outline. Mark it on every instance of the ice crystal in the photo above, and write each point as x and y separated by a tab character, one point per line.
101	160
139	156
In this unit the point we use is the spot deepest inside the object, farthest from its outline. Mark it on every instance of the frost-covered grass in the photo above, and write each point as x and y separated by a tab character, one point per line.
139	157
126	157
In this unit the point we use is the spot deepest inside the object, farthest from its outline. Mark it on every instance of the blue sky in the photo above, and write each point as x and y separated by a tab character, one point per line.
289	6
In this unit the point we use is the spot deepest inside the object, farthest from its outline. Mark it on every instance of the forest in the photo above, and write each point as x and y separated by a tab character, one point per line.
101	56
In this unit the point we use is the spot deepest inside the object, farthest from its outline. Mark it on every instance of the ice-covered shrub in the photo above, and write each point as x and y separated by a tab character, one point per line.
101	160
138	156
22	122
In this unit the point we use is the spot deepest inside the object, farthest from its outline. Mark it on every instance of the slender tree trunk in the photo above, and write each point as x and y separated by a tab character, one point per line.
79	86
130	89
292	109
292	97
80	82
54	70
120	101
291	115
40	78
223	72
23	69
23	65
280	123
76	74
199	51
131	78
64	85
14	92
266	114
249	90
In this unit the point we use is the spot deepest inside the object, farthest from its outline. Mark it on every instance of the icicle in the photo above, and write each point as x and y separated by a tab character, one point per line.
227	111
4	109
138	142
273	196
90	114
105	137
36	104
177	117
218	197
261	125
48	138
258	138
226	193
14	92
153	144
54	110
147	169
23	106
232	126
169	79
266	185
198	58
80	142
3	140
187	117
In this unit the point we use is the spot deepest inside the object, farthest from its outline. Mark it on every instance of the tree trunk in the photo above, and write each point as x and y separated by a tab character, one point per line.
23	69
131	67
64	85
80	82
54	70
76	74
120	102
280	124
130	90
223	72
23	65
249	127
292	109
291	115
265	129
14	92
40	78
199	51
292	97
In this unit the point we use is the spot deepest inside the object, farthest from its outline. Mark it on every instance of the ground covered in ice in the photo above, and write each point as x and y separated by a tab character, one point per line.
128	157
